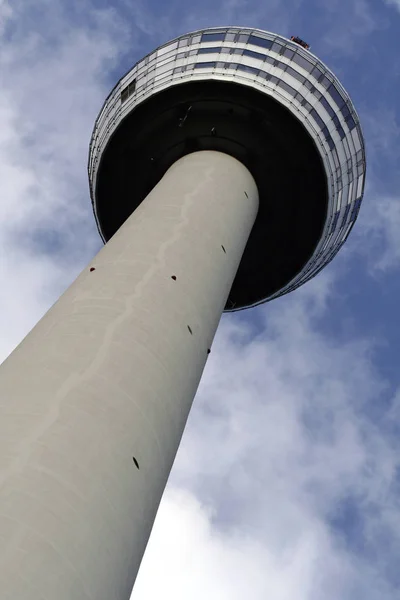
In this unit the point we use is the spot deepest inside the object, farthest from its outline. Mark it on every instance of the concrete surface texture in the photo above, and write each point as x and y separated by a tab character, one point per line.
94	401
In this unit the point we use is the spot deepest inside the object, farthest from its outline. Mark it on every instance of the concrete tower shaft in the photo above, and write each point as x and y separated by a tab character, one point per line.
95	399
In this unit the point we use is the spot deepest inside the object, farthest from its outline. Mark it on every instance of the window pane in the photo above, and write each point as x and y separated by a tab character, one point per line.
324	81
346	214
333	92
327	106
316	73
295	74
257	41
331	143
288	52
213	37
302	62
316	93
341	131
276	47
253	54
317	118
287	87
243	38
208	50
124	95
350	122
248	69
307	105
184	42
345	110
204	65
334	222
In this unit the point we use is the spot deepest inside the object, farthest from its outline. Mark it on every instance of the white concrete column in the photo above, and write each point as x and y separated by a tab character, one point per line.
94	401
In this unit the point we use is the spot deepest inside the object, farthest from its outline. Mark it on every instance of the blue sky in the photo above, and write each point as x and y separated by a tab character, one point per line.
287	481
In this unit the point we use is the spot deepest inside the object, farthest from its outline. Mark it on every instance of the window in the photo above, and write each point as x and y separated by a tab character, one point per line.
346	214
287	87
317	118
184	42
208	50
306	105
324	81
257	41
243	38
288	52
316	73
128	91
253	54
345	111
213	37
237	51
334	222
205	65
350	122
276	47
302	62
334	93
327	106
341	131
248	69
295	74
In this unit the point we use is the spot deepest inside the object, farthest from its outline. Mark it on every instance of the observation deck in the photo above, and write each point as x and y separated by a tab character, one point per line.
262	99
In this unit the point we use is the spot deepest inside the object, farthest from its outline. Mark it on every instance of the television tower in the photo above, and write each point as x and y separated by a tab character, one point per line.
226	169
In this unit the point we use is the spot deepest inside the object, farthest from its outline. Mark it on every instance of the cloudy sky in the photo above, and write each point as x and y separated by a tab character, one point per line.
287	482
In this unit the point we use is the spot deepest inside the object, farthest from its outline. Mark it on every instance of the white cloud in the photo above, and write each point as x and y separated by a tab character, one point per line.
278	442
395	3
377	233
53	86
279	438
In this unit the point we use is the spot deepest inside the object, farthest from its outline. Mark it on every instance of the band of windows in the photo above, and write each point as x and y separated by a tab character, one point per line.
314	71
348	214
